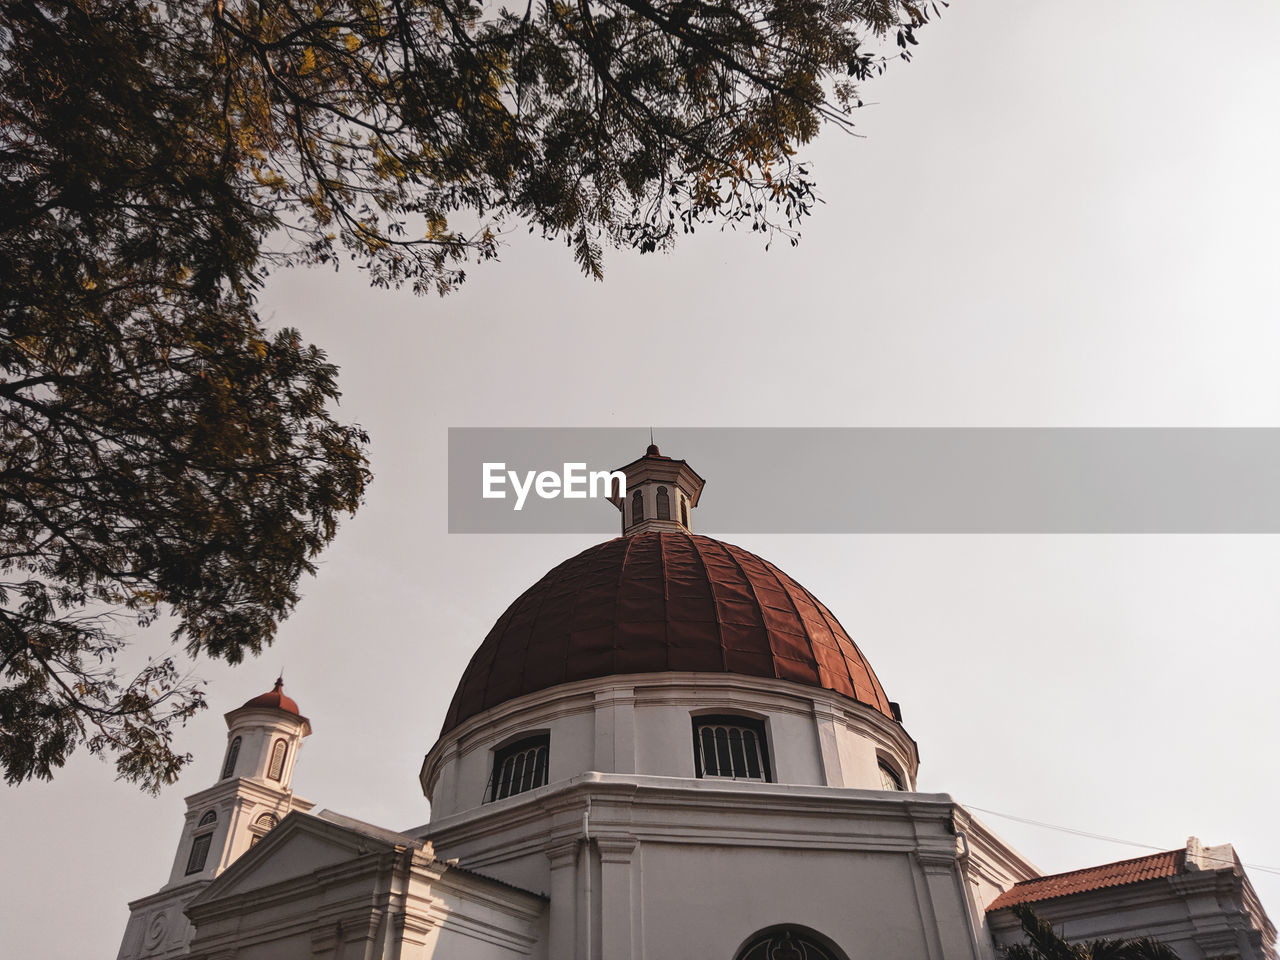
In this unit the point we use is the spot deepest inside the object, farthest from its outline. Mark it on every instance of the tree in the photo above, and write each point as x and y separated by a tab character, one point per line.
1045	944
160	450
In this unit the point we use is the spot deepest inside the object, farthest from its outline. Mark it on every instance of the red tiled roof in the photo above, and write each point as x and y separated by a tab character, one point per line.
1152	867
662	601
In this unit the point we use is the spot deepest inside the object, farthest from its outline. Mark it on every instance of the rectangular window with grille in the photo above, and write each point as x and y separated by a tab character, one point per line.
730	748
519	767
199	852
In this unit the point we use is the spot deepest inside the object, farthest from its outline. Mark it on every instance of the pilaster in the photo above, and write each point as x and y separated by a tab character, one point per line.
617	931
563	921
947	902
824	719
615	730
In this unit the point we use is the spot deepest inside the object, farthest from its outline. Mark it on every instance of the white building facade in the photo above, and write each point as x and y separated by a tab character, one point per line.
665	748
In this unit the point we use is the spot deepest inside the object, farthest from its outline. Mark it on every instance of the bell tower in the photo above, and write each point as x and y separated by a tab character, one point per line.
661	493
250	796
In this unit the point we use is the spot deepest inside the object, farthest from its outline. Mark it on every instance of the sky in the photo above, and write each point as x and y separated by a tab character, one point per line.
1056	215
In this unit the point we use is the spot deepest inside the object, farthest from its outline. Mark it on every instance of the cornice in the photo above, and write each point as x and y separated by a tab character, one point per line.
267	717
989	852
245	787
626	807
186	891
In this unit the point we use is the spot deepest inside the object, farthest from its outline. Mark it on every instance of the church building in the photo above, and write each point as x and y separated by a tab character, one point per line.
666	748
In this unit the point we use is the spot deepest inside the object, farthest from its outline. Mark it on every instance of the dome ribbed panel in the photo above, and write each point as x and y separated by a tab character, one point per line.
657	602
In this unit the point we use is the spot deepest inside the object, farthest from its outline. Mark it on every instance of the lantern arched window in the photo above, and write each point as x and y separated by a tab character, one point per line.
664	504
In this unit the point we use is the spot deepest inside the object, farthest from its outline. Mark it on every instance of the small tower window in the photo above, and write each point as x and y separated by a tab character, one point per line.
208	818
684	511
637	507
261	827
730	748
276	770
233	754
199	853
664	504
889	779
521	766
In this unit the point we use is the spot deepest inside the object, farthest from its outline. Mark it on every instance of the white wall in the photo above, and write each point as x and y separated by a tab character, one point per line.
643	724
652	867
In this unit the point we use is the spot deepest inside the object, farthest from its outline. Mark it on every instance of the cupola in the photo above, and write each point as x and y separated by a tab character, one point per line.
263	737
661	493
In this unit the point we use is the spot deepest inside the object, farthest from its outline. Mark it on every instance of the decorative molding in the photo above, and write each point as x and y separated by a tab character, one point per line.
564	854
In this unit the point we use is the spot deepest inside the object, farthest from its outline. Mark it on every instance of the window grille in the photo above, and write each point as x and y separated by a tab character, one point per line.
199	852
889	779
208	818
263	825
520	767
730	748
664	504
276	770
786	944
637	507
233	754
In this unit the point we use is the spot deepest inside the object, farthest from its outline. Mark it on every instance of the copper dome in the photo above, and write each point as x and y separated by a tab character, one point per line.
273	699
660	601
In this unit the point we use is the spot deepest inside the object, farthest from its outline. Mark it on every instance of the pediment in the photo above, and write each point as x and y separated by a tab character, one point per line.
301	845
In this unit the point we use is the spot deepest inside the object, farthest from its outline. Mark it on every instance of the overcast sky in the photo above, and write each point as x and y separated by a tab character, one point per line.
1059	215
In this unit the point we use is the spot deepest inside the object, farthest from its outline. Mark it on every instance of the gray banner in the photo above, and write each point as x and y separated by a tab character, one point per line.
859	480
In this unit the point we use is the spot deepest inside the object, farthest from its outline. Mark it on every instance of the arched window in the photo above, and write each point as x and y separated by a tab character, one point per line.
889	779
788	943
233	754
730	748
664	504
276	770
637	507
684	511
208	818
261	827
519	767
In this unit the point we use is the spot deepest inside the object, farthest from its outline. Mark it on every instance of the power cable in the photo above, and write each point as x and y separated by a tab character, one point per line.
1098	836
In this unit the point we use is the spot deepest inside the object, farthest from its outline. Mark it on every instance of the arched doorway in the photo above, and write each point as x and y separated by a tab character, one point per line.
788	942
